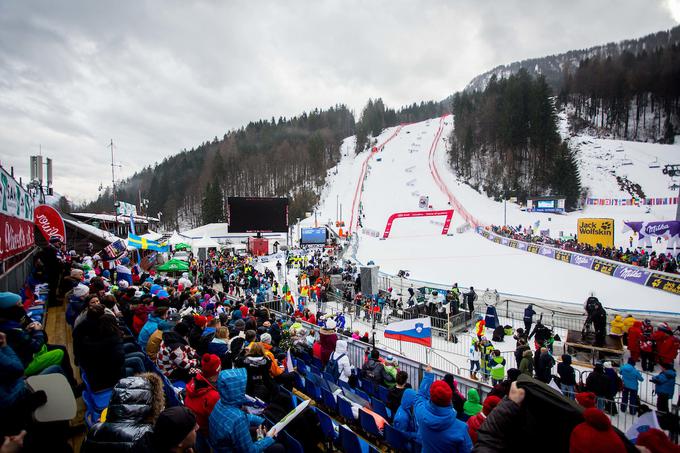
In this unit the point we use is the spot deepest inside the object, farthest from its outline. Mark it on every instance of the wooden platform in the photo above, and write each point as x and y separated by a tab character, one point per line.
58	332
584	353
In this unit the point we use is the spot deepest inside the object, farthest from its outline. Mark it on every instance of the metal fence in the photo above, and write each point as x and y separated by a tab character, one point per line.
15	277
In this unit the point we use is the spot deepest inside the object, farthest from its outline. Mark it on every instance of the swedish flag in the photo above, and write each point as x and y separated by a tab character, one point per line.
145	244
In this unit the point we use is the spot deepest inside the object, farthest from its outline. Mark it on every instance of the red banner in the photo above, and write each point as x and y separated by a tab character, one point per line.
16	235
400	215
49	222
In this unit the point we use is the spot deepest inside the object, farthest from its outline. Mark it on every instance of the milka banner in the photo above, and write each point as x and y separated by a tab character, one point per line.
16	217
668	229
634	274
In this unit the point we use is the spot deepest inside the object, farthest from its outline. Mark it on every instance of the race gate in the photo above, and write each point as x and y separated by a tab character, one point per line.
401	215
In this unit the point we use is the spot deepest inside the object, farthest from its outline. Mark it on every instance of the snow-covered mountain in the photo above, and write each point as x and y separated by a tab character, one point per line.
552	67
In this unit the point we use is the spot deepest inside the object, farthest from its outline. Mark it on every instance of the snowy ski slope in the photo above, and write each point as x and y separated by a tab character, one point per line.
404	169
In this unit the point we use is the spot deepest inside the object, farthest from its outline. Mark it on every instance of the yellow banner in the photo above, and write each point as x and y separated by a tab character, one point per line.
596	231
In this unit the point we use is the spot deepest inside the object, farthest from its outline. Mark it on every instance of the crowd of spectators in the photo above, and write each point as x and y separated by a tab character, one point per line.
639	256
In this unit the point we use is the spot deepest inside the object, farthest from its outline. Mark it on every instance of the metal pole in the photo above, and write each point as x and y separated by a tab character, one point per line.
113	189
677	211
505	211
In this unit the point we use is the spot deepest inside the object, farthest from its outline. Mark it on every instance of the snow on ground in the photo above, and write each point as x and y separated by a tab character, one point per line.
399	174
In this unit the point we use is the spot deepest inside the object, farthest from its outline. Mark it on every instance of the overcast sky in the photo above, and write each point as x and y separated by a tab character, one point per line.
160	76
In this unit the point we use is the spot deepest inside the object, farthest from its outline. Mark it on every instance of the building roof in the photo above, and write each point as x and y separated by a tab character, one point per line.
112	218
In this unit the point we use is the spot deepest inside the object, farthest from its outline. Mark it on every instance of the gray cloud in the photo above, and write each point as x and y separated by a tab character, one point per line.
159	76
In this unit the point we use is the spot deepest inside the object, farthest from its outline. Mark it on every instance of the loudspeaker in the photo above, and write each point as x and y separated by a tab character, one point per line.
369	280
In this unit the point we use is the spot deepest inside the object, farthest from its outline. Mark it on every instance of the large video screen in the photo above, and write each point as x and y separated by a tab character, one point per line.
257	215
543	204
313	236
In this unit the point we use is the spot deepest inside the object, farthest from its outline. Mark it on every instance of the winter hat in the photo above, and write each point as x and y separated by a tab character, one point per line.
210	364
607	364
490	402
125	261
200	321
664	327
441	394
123	284
595	434
55	239
8	300
81	290
106	273
154	289
656	441
172	426
330	324
244	310
266	338
162	294
586	399
513	374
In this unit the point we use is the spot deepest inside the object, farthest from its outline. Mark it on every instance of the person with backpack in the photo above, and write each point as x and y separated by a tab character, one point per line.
338	364
373	369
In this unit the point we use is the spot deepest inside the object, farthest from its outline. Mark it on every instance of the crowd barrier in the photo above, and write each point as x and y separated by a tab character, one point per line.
634	274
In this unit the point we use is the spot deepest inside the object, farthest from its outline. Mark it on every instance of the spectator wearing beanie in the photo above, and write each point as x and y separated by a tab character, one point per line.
266	341
656	441
202	394
586	399
176	359
475	422
327	339
175	430
438	427
595	434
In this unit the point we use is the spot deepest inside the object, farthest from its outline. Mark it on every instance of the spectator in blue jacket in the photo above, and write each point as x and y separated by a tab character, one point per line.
229	425
630	376
665	386
438	427
528	318
152	324
404	419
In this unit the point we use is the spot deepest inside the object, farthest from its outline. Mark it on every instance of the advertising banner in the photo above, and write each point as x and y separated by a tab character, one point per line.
448	213
16	217
595	231
582	260
604	267
49	222
16	236
664	283
631	274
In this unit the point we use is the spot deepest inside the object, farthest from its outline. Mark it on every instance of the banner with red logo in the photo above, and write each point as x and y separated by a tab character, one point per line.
448	213
16	217
49	222
16	236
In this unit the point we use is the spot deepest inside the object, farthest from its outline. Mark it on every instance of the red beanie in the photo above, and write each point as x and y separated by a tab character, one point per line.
244	310
490	402
200	321
586	399
210	364
440	393
657	442
595	434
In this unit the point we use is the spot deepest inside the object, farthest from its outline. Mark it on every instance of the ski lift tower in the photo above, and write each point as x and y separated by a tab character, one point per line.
673	170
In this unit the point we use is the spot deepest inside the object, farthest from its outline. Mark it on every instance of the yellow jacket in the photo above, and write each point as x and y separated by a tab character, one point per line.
628	322
617	325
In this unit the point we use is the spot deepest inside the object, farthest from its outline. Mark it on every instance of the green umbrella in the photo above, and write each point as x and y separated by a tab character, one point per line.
174	266
182	246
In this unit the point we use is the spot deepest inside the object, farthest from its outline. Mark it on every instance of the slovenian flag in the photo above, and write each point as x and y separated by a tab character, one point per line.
417	331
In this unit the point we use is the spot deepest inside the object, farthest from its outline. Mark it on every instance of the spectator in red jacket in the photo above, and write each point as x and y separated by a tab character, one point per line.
634	337
476	421
202	395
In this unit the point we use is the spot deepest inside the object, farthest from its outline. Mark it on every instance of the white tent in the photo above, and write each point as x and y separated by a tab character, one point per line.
177	239
200	246
152	236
